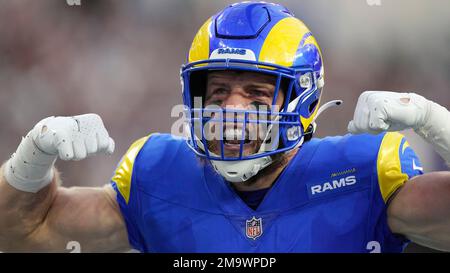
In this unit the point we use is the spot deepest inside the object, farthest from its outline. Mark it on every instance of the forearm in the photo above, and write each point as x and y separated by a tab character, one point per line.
49	219
436	129
379	111
22	212
38	215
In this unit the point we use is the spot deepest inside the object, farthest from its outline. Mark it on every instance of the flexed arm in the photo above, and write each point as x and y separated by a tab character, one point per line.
421	208
39	215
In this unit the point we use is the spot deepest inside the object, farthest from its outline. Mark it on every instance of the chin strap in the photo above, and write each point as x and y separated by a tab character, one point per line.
327	106
312	128
240	171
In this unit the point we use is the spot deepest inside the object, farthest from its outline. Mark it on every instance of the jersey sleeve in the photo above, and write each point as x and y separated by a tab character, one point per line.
127	194
396	164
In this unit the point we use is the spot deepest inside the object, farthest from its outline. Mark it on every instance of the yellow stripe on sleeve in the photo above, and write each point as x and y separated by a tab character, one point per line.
122	175
390	175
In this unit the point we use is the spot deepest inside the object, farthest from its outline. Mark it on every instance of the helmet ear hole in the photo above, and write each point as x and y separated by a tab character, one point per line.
312	106
309	133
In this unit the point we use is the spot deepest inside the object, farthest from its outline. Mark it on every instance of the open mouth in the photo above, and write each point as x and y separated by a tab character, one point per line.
233	137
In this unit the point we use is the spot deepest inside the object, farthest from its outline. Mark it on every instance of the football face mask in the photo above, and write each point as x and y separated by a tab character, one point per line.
250	129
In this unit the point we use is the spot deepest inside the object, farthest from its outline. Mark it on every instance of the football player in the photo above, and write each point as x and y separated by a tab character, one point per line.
252	69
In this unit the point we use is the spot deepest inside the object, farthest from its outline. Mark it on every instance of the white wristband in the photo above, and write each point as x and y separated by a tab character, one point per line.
29	169
436	129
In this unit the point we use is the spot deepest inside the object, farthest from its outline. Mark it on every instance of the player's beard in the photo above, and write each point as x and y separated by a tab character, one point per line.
279	160
256	135
254	138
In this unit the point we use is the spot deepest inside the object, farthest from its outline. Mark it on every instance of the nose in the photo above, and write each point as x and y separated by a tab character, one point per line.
236	99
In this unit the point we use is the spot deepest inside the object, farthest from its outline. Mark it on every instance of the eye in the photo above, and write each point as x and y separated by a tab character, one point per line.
219	91
214	102
216	96
258	93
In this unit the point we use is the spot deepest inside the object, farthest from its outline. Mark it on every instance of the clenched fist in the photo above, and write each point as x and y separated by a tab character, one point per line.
30	168
72	138
378	111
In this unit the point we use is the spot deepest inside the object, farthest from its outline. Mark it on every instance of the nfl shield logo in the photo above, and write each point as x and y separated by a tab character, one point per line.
253	228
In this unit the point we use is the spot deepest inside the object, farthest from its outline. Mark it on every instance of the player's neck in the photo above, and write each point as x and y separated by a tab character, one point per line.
266	177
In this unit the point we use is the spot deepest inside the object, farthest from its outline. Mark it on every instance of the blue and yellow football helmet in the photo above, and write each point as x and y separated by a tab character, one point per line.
259	37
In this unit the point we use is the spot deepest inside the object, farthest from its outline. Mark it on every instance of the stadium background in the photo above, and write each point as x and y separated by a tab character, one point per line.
121	59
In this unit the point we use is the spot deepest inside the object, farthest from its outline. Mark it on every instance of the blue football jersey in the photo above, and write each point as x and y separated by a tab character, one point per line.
332	197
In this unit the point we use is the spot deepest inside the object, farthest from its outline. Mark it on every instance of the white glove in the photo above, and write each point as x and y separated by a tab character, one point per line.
71	138
378	111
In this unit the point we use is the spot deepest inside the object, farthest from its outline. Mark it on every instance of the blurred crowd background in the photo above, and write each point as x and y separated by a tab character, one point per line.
121	59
